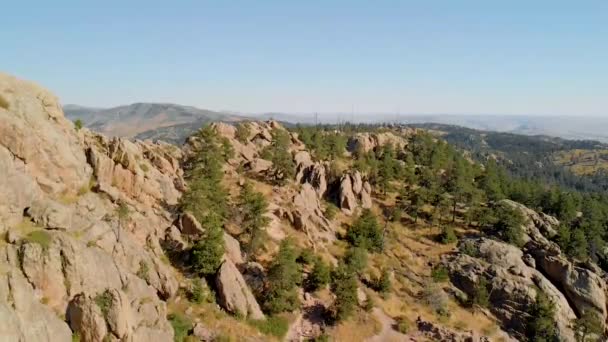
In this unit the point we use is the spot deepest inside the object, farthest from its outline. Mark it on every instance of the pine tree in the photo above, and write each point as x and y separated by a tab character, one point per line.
253	207
491	181
344	286
206	254
284	276
541	327
365	232
283	166
588	324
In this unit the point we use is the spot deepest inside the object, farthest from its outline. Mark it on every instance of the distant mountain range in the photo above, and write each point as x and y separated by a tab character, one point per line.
173	122
157	121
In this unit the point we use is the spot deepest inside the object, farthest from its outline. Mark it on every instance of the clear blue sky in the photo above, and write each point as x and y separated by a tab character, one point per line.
502	57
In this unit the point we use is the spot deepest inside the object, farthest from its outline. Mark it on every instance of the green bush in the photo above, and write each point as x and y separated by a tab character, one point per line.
78	124
330	211
104	302
284	277
197	292
402	325
356	260
448	235
41	237
344	287
181	326
439	273
320	275
366	232
481	296
468	248
274	325
383	285
144	271
242	132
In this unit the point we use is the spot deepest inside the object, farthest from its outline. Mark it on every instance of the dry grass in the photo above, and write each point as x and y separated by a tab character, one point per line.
583	162
361	326
216	320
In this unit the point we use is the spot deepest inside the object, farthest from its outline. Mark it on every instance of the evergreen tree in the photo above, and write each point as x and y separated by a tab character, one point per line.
589	324
206	254
284	276
320	275
541	327
491	182
253	207
283	166
509	223
365	232
344	286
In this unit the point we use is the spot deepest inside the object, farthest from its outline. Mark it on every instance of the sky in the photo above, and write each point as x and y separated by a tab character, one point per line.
418	57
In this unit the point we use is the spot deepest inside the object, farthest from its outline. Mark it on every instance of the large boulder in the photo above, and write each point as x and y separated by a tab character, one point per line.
348	201
233	249
308	216
87	319
585	289
34	130
234	294
514	285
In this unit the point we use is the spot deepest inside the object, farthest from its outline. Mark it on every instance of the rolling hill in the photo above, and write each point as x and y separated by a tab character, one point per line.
157	121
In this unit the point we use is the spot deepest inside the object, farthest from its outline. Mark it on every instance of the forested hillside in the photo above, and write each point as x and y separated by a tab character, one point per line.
257	232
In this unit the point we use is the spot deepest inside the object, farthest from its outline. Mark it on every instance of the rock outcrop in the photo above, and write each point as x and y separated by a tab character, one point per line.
308	216
234	294
352	190
513	283
67	242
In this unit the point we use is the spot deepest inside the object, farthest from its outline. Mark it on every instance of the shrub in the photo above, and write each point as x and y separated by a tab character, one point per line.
344	287
143	271
588	323
242	132
75	337
41	237
448	235
402	325
369	304
366	232
383	284
320	275
439	273
284	276
78	124
307	257
437	299
104	302
197	293
330	211
481	296
356	260
181	326
274	325
468	248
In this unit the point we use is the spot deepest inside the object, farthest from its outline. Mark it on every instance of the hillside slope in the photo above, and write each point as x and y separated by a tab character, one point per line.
253	232
158	121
